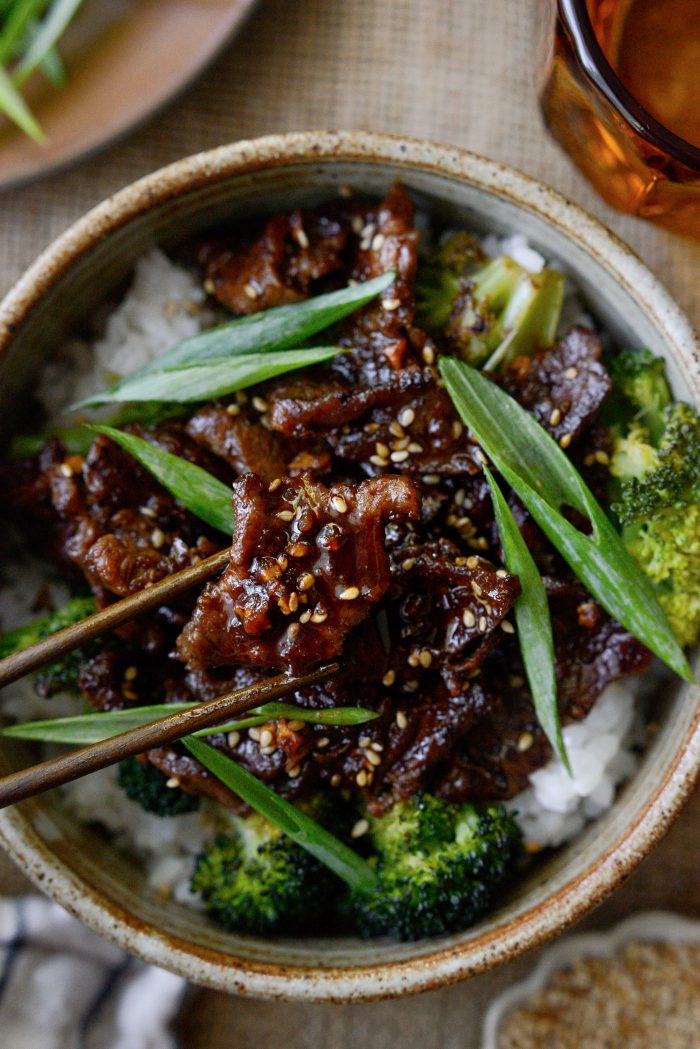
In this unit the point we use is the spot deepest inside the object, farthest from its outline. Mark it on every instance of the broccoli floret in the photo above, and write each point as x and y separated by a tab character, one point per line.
658	505
63	674
633	455
23	636
253	878
144	783
486	310
437	864
667	547
640	391
671	478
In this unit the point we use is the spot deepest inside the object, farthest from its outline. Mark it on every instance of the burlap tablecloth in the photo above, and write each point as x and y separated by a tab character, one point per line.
458	71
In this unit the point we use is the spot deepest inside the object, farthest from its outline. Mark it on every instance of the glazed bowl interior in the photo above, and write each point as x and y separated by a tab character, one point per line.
78	866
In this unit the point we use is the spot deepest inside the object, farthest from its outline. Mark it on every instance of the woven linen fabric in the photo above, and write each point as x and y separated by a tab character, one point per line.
63	987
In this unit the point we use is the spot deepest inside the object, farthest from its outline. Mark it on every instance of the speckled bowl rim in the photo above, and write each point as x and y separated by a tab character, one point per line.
579	895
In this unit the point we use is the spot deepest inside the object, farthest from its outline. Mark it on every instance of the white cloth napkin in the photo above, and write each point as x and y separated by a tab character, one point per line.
63	987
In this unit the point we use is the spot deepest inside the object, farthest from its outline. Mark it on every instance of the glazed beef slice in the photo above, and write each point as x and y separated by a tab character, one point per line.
307	564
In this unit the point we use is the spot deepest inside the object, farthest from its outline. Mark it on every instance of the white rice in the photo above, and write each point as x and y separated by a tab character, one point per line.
164	306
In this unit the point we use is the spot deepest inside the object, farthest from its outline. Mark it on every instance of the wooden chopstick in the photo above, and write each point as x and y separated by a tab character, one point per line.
56	771
56	645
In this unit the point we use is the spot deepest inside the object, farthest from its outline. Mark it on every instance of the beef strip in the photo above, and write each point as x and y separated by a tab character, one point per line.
298	548
564	386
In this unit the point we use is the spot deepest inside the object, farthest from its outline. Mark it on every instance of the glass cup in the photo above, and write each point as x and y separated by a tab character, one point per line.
635	162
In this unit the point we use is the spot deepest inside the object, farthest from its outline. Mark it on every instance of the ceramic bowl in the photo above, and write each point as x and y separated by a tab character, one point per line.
78	867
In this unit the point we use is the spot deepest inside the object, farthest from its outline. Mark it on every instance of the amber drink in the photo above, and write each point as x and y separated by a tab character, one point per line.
621	93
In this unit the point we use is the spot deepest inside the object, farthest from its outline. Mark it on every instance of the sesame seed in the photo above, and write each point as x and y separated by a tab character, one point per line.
457	429
293	772
482	624
293	630
209	286
130	673
270	572
148	512
472	561
233	739
477	589
268	750
339	504
254	734
260	404
555	417
336	779
480	457
400	443
344	191
266	738
468	617
501	573
602	457
396	428
389	678
378	460
378	242
293	601
409	563
349	594
525	741
306	581
413	660
401	719
322	743
399	457
66	470
426	658
295	725
251	291
414	448
365	741
302	239
361	778
391	304
298	549
407	417
360	828
428	355
157	537
357	223
285	515
565	441
373	757
382	449
283	562
274	485
431	478
319	617
172	782
507	627
233	409
241	396
305	616
129	693
571	373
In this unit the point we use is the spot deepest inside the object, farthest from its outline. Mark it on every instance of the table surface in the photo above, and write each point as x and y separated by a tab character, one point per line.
456	71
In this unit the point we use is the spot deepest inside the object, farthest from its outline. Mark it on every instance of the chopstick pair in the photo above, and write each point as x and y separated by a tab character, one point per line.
57	771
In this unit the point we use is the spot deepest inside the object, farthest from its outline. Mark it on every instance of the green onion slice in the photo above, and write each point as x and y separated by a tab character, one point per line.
536	468
332	852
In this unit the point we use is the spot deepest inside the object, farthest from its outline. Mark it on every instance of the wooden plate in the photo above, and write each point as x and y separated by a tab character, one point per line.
125	59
